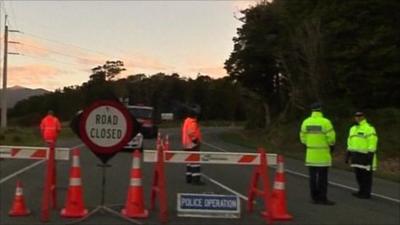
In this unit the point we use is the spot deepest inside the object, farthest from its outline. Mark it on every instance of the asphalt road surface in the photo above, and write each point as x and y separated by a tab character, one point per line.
383	208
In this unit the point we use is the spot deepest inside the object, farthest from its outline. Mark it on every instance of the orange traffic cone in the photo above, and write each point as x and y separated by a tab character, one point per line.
74	206
134	206
18	207
278	196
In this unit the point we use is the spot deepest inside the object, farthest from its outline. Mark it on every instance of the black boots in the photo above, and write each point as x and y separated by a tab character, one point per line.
188	179
195	180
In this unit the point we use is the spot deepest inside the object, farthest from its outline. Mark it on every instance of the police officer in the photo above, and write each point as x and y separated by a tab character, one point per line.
319	137
191	138
361	151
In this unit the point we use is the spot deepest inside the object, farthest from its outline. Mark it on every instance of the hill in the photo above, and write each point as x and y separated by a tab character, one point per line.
18	93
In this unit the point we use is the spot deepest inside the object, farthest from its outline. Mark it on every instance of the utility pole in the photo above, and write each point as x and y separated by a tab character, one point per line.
4	92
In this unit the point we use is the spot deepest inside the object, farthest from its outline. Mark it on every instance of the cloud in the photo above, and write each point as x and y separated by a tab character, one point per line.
134	63
28	46
37	75
213	71
143	62
90	61
33	69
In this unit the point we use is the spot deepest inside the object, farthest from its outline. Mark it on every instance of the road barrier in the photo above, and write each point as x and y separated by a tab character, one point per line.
209	157
25	152
49	153
260	160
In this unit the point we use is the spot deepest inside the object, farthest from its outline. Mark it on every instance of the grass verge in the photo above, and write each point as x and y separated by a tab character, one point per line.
29	136
286	144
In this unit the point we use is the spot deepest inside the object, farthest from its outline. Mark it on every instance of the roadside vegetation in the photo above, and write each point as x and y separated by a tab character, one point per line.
29	136
284	139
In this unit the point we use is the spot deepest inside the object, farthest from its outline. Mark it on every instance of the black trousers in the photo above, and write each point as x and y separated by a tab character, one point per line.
364	180
193	170
318	182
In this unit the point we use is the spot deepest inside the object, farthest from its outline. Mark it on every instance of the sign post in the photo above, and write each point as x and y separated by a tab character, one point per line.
106	127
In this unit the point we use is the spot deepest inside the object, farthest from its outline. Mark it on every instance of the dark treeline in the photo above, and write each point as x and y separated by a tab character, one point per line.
344	54
287	54
219	99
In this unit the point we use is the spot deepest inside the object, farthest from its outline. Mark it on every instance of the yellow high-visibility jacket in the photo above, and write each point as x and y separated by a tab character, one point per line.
318	135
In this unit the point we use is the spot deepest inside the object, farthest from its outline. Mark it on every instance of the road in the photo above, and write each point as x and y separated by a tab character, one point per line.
383	208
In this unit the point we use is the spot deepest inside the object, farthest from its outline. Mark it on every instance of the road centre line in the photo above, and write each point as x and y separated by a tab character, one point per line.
330	182
29	167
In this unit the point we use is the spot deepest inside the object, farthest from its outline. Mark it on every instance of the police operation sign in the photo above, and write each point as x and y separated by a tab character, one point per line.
106	126
208	205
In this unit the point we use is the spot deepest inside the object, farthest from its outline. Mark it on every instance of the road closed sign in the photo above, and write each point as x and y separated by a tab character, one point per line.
106	126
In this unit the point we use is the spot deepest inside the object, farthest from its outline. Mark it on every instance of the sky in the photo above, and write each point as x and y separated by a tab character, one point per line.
60	41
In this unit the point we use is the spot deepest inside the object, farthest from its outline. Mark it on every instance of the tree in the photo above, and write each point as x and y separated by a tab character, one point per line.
343	53
108	71
253	62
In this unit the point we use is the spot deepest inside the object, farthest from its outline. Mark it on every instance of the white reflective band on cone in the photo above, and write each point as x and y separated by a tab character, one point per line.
280	168
136	182
75	161
136	163
195	174
19	192
75	182
279	185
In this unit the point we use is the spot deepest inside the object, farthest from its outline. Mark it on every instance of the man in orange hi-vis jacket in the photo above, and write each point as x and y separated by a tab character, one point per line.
191	137
50	127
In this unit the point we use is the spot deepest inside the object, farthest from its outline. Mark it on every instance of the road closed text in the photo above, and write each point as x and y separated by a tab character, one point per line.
106	127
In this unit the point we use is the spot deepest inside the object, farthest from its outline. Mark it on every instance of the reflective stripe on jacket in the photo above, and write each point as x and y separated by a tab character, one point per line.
317	134
190	132
362	140
50	127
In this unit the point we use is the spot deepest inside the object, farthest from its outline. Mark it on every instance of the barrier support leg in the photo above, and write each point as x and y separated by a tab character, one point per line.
158	186
260	173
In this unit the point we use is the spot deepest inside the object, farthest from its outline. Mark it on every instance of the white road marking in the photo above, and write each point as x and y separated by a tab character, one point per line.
218	183
213	146
29	167
345	186
306	176
224	187
21	171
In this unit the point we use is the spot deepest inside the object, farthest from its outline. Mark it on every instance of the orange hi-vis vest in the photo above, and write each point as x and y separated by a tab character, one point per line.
50	127
190	132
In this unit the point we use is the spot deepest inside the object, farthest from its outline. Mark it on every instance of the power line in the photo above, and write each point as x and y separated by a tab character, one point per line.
66	44
52	60
55	52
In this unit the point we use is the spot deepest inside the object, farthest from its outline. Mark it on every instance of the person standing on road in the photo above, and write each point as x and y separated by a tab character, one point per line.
361	151
191	138
50	127
319	137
